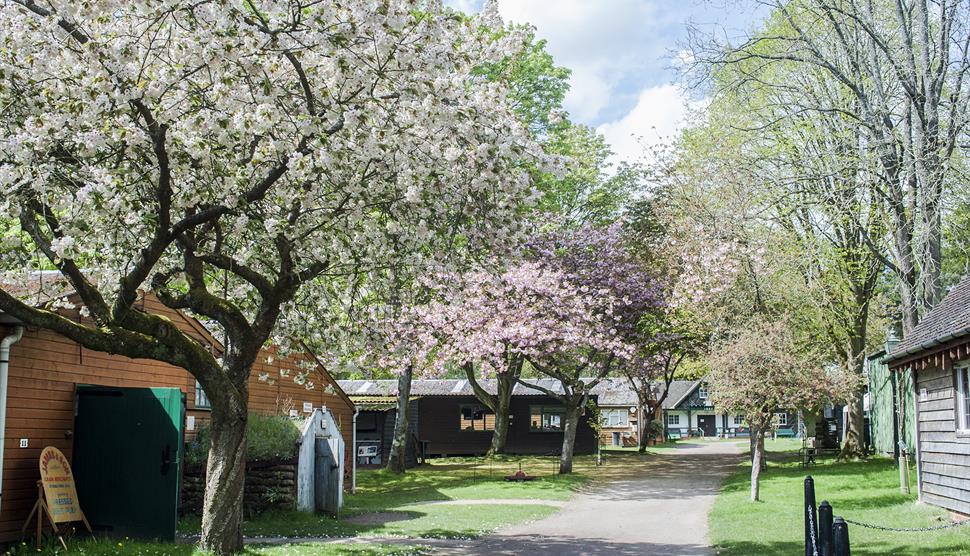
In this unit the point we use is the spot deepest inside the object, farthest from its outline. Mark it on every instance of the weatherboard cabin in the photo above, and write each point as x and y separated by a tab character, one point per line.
937	351
123	422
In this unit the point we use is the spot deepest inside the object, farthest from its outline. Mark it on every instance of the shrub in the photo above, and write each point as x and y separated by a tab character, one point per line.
268	437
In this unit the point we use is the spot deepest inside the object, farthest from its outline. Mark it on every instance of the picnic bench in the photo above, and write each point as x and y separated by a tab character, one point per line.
810	451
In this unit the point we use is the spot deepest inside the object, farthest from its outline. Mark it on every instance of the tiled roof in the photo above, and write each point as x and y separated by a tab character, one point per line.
949	319
679	389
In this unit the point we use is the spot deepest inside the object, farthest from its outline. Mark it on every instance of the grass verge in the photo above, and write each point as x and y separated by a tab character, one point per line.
865	491
136	548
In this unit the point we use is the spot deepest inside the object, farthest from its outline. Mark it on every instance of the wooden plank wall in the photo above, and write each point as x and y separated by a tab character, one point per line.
944	457
279	392
45	368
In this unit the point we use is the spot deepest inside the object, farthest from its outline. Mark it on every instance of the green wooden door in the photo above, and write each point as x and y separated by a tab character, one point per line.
127	459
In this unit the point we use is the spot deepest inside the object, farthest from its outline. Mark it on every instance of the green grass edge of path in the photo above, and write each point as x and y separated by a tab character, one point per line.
113	547
866	491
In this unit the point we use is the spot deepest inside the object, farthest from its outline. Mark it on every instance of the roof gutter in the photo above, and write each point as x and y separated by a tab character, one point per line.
5	345
927	345
353	453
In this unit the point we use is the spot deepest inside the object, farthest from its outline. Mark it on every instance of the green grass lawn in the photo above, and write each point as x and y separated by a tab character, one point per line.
388	504
136	548
866	491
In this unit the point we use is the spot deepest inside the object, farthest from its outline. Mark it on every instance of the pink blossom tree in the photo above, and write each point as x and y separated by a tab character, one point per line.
761	370
573	312
676	338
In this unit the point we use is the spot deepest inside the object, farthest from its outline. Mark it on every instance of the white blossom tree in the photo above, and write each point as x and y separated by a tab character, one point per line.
237	159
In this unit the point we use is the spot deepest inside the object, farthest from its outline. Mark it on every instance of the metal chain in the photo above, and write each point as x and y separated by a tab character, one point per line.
909	530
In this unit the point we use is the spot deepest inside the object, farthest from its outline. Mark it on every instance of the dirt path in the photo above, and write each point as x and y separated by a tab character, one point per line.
662	510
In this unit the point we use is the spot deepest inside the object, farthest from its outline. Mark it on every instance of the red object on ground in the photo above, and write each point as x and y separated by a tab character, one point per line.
519	476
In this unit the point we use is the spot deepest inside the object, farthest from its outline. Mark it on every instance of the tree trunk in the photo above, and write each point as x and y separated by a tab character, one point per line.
503	401
398	459
225	478
757	459
854	445
645	431
569	437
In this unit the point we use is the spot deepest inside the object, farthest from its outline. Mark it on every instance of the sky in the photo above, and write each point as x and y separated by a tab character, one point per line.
624	56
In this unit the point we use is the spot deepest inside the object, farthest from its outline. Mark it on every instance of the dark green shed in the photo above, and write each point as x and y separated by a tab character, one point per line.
883	404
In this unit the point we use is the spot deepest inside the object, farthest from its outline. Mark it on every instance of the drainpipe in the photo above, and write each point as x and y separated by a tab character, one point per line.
353	453
5	344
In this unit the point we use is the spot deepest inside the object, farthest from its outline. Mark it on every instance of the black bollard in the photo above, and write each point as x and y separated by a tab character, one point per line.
811	519
840	534
825	539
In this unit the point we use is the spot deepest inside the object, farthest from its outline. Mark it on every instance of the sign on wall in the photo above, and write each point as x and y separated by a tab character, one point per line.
59	489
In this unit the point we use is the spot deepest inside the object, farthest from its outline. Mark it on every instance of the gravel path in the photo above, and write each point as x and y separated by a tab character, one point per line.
662	510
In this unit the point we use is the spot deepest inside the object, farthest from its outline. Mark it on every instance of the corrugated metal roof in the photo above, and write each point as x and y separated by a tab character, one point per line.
442	387
609	392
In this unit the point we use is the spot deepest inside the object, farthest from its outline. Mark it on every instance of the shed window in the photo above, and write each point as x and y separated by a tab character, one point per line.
673	419
739	419
782	419
702	392
201	400
476	418
963	398
546	418
615	417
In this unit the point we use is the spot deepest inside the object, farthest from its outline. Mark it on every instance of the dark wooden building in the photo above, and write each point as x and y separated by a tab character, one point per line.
447	419
938	353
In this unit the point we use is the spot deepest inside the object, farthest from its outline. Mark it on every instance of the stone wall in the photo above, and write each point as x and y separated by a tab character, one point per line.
269	485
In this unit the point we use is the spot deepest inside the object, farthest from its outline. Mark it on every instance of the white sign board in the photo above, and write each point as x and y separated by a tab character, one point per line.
307	407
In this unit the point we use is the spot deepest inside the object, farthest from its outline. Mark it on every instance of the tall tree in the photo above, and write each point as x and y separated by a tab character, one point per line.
234	159
816	182
904	64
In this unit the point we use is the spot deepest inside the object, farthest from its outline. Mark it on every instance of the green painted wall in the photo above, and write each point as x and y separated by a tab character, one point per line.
882	404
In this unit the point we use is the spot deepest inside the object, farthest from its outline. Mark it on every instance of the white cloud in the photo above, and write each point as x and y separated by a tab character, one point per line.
604	43
660	113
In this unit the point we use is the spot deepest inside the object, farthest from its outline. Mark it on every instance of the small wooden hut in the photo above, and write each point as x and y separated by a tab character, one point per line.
938	353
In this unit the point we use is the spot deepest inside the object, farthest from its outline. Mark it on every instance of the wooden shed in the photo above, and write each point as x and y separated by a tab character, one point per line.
938	353
448	420
887	396
46	371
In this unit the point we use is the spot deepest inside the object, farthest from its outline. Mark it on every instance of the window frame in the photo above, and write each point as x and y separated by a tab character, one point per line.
962	398
202	400
703	393
485	411
543	410
606	418
782	418
673	415
739	420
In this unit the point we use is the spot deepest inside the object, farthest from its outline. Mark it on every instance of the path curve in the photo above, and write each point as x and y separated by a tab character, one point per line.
662	510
